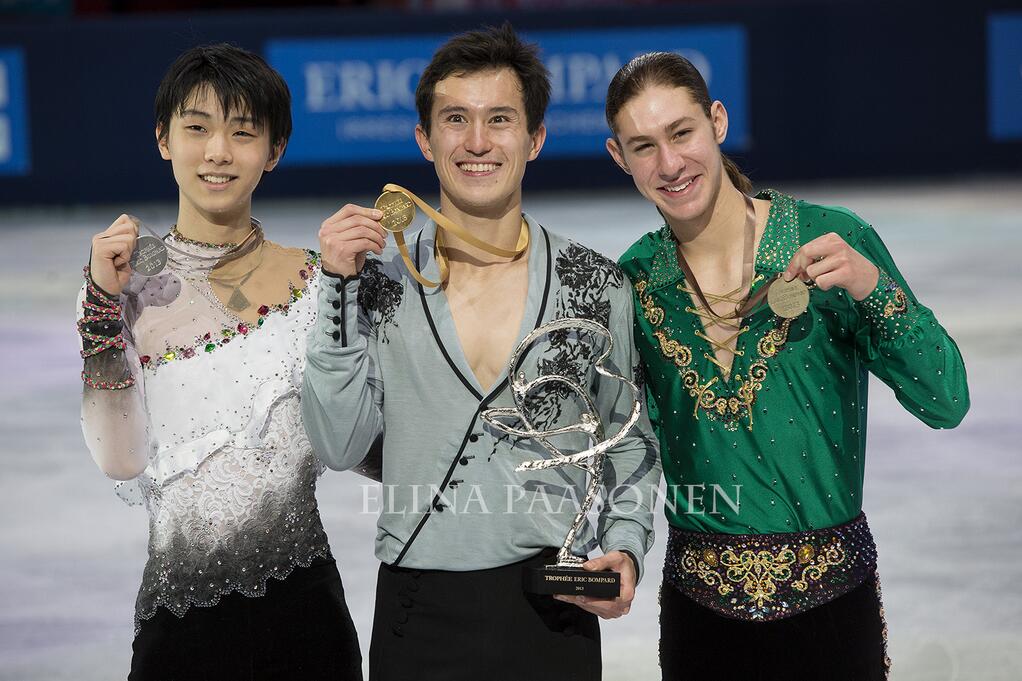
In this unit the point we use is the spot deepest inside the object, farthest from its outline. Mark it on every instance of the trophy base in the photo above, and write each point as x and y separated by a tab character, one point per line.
571	581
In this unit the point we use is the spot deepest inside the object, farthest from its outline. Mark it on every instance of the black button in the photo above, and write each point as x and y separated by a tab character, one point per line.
405	601
338	287
337	321
464	461
473	438
336	335
398	631
336	304
413	586
402	617
438	507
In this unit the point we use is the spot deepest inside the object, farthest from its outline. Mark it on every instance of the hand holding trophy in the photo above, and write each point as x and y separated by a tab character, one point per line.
567	576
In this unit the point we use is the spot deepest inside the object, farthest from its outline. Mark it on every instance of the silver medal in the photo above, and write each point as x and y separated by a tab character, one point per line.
149	257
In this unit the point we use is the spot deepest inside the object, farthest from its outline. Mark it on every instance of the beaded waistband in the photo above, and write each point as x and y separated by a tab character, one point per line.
770	576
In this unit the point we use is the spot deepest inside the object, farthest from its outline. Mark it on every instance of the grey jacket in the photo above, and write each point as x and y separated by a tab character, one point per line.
384	359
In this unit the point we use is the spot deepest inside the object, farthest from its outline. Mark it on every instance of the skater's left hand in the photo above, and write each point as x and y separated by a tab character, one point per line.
609	608
830	261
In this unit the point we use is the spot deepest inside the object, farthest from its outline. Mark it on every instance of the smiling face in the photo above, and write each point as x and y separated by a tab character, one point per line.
669	146
217	159
479	141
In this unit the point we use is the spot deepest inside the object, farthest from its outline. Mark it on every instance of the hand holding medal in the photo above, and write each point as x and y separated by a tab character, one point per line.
788	297
112	250
346	236
829	261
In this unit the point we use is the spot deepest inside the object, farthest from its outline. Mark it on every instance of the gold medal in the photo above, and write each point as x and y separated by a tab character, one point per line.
398	211
398	206
788	299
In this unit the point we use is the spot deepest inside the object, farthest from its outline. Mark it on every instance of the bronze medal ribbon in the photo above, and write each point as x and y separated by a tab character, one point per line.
749	302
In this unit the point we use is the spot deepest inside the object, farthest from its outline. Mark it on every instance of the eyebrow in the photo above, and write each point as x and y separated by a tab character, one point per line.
457	108
667	128
203	114
504	109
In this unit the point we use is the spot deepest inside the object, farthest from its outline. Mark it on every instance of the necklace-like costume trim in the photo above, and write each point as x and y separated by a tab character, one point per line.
211	340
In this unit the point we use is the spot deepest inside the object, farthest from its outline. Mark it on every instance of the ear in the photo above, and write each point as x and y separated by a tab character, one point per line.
161	144
718	116
275	155
538	140
422	139
615	153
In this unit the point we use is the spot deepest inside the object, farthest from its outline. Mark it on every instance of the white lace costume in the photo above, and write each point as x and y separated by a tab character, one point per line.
231	476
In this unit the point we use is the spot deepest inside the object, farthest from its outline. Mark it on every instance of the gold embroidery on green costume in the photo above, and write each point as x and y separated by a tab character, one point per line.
729	409
788	429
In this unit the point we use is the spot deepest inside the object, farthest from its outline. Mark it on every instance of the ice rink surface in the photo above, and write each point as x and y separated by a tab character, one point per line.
945	506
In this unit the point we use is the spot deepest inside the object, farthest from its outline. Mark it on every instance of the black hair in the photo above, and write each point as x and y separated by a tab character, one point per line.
482	50
241	80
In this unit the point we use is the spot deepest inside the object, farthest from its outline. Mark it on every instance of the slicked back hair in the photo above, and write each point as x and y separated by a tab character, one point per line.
241	80
666	69
484	50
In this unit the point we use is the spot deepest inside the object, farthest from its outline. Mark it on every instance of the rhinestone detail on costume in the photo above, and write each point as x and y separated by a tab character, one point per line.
770	576
728	409
211	340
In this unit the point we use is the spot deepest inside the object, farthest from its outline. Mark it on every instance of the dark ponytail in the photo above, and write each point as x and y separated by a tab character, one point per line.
671	70
739	180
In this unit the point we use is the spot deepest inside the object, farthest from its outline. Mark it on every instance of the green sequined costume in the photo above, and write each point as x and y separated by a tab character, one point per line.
780	446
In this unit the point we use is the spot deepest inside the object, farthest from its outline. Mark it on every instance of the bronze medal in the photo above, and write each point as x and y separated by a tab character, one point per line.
788	299
398	211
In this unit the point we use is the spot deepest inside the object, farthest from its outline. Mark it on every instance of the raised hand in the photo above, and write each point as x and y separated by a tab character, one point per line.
346	236
830	261
111	250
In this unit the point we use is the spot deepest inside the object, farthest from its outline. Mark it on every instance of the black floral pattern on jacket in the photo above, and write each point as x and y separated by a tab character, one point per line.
586	278
379	296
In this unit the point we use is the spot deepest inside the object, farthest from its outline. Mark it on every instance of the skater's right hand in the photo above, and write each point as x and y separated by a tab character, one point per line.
111	250
346	236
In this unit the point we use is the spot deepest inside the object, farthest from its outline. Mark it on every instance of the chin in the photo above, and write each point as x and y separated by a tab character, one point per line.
479	200
682	213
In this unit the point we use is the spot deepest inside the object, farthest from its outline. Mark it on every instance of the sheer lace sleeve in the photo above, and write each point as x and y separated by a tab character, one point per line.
114	419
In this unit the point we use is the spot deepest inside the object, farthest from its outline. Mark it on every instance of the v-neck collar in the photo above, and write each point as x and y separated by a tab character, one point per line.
438	312
776	247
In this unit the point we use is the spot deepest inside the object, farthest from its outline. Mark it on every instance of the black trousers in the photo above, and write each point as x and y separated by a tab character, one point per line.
300	629
843	639
435	624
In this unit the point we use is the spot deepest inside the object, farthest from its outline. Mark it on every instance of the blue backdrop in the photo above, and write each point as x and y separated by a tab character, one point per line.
1005	69
816	90
354	98
14	153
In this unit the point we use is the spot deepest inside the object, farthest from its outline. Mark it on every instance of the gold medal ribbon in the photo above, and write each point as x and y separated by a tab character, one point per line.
445	223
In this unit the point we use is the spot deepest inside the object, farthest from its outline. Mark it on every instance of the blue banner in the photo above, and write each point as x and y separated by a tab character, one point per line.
13	121
354	99
1004	70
